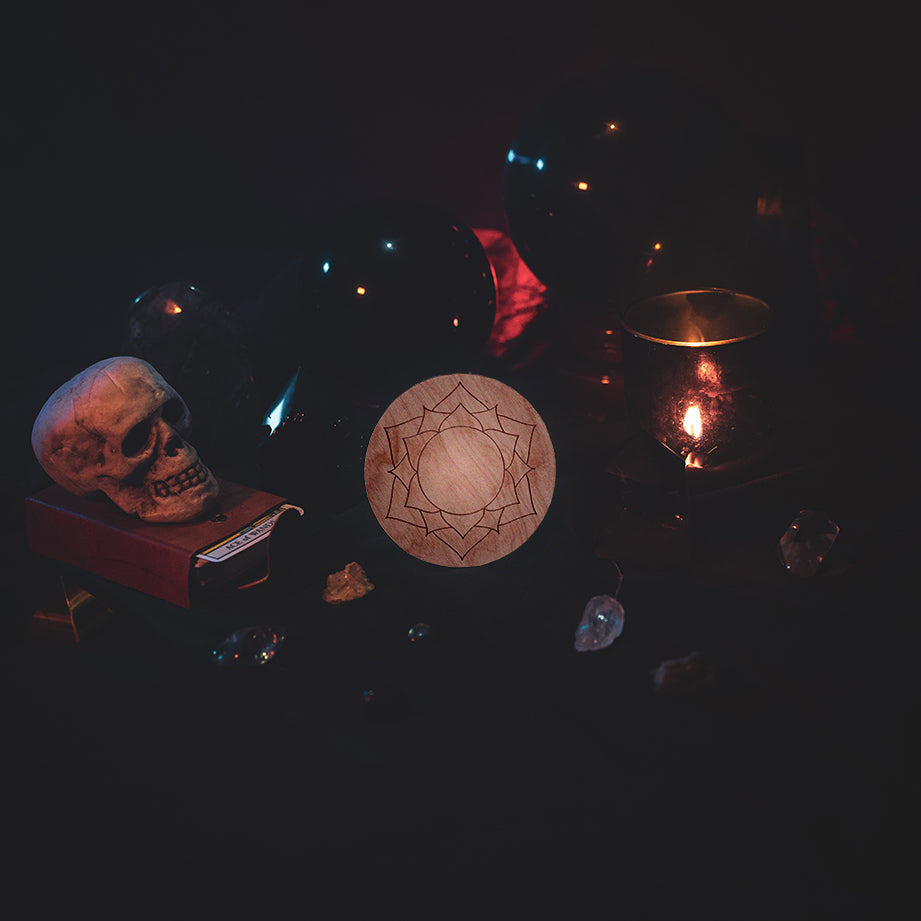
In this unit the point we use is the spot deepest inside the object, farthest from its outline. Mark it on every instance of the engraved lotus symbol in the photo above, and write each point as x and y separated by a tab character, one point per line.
460	470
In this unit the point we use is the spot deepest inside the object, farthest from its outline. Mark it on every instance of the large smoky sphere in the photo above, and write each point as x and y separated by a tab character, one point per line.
608	172
118	429
391	291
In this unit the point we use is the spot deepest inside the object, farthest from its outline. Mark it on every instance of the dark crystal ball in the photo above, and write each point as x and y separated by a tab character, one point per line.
391	292
608	171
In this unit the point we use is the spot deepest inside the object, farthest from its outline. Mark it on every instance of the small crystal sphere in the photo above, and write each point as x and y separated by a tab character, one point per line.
198	343
419	633
248	647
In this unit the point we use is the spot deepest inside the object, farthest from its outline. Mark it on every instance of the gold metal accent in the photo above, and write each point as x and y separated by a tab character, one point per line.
67	612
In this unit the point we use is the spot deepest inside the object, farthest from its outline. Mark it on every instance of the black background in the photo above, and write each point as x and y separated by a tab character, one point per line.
141	142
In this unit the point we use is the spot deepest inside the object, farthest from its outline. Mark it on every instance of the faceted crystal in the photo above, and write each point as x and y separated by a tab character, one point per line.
249	646
806	542
601	624
419	633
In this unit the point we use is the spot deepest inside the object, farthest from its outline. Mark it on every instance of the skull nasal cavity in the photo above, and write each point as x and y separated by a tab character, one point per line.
173	445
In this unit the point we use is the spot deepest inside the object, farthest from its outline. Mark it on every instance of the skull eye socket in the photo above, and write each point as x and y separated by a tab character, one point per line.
173	410
136	439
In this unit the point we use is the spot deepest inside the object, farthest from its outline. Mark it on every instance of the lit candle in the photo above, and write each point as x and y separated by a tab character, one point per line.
691	373
692	424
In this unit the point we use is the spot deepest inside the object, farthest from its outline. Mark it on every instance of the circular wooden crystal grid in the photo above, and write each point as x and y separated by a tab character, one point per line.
460	470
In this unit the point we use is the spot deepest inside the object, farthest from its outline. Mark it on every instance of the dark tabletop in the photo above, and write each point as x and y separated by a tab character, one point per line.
513	777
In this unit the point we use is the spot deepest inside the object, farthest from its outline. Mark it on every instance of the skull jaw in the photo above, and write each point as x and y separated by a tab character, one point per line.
185	505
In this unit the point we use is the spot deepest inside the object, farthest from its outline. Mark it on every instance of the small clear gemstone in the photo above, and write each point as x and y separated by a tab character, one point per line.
806	542
249	646
419	633
601	624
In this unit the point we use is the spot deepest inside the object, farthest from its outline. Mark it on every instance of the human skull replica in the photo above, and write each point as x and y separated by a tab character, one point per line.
118	428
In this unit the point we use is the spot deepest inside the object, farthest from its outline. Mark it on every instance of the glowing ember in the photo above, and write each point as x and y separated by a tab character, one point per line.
172	307
692	422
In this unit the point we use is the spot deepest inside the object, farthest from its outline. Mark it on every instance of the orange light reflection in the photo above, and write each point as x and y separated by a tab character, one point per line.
708	372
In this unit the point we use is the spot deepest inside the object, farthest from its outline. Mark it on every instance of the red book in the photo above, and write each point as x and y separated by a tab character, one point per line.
180	563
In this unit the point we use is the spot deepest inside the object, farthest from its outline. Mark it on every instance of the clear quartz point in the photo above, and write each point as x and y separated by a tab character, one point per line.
249	646
601	624
806	542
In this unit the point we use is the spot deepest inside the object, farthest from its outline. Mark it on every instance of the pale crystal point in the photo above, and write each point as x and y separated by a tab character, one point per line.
806	542
601	624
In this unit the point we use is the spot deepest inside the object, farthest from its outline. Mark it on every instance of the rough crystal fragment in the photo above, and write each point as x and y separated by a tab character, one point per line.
347	584
601	624
685	674
806	542
249	646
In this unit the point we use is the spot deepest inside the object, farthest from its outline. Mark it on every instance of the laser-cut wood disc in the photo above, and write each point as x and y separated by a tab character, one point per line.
460	470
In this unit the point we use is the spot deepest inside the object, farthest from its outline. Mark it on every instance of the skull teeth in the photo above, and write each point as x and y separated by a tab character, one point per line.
174	485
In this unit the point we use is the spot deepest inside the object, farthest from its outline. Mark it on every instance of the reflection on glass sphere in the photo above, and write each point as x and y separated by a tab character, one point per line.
606	169
391	292
314	450
196	341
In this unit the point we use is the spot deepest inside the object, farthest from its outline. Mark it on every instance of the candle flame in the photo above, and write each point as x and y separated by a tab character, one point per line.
172	307
692	422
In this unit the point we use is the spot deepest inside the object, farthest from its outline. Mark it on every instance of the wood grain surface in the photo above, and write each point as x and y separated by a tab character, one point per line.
460	470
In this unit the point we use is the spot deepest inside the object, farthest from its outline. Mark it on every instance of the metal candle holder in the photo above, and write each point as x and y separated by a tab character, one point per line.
694	366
